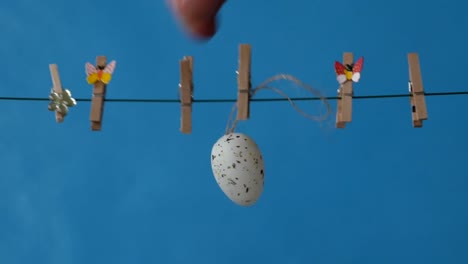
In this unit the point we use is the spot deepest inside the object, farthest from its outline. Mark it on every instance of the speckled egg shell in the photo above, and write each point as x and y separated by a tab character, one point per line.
238	168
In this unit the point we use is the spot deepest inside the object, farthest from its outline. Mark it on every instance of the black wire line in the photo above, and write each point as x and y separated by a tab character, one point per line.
235	100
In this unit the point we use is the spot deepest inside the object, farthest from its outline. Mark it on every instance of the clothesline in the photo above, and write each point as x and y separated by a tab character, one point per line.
149	100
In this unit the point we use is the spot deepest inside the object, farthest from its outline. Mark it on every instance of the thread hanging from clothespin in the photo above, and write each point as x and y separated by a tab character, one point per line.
232	123
243	82
416	90
99	76
186	94
60	99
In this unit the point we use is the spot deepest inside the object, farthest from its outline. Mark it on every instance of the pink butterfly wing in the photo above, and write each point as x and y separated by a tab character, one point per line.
90	69
339	68
357	68
110	67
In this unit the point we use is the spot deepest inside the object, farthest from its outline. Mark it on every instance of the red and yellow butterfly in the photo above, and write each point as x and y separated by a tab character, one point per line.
352	72
103	74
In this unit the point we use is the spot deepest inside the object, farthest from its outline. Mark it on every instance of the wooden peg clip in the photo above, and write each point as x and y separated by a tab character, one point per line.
99	93
345	97
243	82
60	99
57	88
417	98
186	94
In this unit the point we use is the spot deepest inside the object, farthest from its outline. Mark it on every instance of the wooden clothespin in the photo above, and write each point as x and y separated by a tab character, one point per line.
60	98
243	82
417	98
99	75
99	93
186	94
345	97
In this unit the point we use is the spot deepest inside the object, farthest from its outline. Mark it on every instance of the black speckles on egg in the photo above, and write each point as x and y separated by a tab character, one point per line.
213	157
238	161
230	181
233	165
246	188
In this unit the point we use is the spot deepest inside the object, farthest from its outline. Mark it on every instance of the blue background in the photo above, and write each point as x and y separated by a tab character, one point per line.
140	191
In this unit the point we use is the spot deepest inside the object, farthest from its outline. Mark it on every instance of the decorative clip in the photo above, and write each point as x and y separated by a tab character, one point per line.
99	75
186	94
60	99
346	74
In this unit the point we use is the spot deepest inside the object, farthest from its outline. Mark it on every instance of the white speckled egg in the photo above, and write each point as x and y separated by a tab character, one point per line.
238	168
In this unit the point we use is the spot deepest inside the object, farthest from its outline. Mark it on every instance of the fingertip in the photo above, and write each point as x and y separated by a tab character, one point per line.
205	31
198	17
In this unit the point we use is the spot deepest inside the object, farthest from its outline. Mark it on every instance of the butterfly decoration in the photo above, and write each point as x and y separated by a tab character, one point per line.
60	102
103	74
350	72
